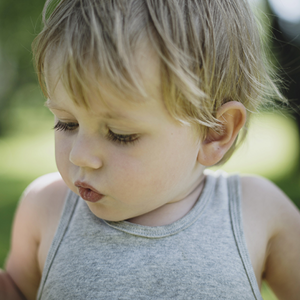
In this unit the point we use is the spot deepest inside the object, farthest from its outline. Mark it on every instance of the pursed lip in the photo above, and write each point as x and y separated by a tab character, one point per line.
82	184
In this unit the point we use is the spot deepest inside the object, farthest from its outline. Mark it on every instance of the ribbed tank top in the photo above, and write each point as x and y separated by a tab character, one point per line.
201	256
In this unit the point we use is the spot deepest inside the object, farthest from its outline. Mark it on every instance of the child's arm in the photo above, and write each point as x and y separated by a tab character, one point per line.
282	222
22	272
283	263
32	224
8	289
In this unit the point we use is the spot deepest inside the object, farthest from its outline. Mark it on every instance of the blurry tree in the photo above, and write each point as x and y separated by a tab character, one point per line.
19	22
285	45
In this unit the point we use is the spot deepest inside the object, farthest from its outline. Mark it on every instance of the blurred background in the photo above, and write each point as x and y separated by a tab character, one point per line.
26	138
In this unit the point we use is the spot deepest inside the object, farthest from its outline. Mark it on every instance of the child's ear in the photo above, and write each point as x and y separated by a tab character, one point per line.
214	146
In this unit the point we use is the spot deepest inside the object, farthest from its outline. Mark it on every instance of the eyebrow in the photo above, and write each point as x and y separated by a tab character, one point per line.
108	115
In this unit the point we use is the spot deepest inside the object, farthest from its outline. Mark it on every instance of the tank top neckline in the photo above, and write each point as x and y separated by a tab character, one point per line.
175	227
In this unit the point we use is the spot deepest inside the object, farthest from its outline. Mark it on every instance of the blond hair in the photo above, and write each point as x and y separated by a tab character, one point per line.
210	52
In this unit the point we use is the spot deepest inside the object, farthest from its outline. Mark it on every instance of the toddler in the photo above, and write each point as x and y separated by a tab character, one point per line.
146	94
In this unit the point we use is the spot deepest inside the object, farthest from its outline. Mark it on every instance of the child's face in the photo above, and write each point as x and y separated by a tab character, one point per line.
133	153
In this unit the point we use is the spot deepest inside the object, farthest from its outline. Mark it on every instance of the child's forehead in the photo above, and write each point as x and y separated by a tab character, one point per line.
115	103
145	68
107	112
119	110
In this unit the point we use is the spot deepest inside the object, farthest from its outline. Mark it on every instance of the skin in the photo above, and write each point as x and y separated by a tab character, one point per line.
154	181
135	178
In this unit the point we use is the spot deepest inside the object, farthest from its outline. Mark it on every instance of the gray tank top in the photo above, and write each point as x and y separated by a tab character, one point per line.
201	256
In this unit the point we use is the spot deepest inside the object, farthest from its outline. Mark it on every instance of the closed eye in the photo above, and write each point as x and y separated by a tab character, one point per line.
61	126
123	139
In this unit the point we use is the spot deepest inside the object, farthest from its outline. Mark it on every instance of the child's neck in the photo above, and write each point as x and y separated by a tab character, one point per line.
170	212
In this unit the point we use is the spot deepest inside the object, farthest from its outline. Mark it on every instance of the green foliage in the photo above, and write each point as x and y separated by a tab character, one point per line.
20	21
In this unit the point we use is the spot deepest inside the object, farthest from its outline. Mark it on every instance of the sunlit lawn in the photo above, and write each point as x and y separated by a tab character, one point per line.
271	151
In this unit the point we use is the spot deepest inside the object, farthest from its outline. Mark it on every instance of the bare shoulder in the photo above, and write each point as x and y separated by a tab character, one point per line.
37	216
272	221
43	201
46	186
266	200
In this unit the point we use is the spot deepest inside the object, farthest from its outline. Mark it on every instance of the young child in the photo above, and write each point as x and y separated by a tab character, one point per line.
147	94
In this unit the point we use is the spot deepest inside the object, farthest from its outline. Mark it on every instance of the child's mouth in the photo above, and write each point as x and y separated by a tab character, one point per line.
89	195
87	192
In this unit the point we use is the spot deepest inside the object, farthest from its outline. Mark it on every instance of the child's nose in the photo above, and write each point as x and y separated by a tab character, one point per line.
85	152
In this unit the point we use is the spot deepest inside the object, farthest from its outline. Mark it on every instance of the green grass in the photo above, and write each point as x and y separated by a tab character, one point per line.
25	154
10	191
267	293
272	151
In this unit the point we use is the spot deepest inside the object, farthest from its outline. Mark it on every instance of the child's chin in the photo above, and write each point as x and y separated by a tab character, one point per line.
106	216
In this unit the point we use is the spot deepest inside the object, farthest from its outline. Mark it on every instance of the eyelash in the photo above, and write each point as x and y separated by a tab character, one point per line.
61	126
122	139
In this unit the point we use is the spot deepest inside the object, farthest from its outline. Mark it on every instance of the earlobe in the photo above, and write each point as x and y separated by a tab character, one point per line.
233	117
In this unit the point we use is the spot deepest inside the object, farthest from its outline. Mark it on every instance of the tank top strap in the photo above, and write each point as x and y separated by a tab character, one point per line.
67	214
235	196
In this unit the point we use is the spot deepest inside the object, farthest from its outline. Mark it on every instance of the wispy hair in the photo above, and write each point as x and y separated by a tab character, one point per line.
210	53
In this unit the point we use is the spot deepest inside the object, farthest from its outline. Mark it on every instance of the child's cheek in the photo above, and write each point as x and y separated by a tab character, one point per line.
62	153
148	177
